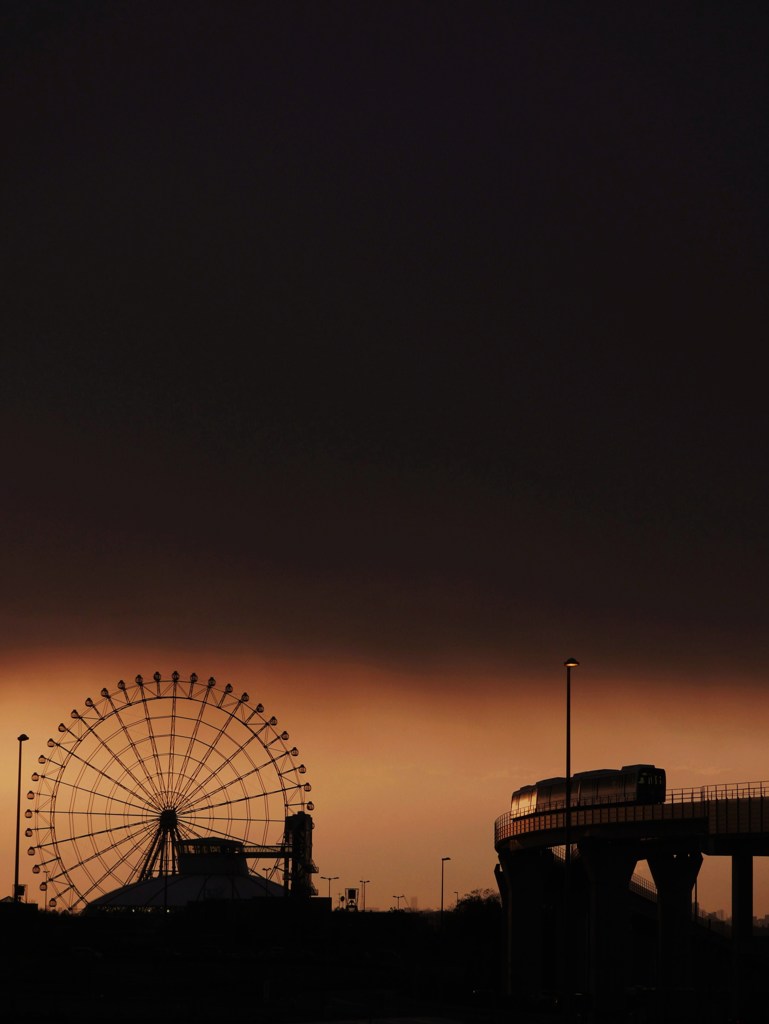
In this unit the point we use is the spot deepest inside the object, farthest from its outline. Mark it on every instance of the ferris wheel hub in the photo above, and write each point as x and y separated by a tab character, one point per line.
169	819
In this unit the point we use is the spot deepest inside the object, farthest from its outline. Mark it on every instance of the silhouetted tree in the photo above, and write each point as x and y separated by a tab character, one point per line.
479	901
474	944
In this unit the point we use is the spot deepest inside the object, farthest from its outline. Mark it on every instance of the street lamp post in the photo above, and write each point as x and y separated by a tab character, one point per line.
364	882
443	865
16	893
398	901
329	879
569	664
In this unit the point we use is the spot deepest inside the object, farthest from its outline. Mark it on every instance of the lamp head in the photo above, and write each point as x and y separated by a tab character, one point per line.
23	737
571	663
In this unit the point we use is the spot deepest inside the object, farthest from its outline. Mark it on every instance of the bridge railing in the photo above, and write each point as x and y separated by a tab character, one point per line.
684	795
718	791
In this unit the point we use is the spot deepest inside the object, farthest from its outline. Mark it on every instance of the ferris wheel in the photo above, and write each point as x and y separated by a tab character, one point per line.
151	764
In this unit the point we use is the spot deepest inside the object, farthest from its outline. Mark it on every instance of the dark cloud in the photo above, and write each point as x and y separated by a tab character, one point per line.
400	329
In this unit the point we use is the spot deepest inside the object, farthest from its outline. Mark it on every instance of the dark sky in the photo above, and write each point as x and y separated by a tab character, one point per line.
405	331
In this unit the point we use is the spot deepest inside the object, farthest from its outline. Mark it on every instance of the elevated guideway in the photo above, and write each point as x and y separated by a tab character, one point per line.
608	840
720	820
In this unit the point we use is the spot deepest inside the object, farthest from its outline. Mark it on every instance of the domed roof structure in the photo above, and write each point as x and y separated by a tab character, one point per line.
209	869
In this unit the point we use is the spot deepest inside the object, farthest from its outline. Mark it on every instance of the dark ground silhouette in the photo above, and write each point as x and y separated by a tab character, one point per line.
252	962
270	963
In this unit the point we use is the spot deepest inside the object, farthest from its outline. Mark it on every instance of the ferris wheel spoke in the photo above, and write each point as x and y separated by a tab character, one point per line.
239	800
172	741
213	829
217	772
238	778
130	842
159	771
99	772
267	746
140	760
115	802
63	892
272	762
283	790
148	786
43	864
232	819
201	793
88	814
211	746
100	776
192	742
108	871
91	834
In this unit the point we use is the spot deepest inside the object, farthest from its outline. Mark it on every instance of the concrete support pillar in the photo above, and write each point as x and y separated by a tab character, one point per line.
522	876
609	867
674	874
742	928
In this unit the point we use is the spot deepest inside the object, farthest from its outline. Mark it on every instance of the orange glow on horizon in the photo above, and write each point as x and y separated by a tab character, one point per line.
409	767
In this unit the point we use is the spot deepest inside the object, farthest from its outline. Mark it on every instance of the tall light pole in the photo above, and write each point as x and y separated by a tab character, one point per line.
364	882
398	899
443	865
329	879
16	893
569	664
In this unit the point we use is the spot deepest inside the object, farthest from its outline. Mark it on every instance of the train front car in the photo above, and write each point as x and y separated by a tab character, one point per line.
647	782
631	784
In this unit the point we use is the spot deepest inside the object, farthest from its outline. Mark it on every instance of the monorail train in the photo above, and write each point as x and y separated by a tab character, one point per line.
631	784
